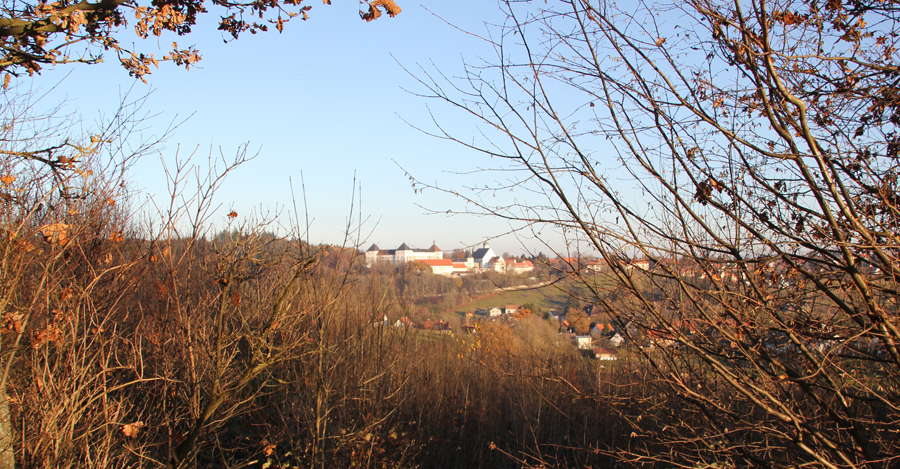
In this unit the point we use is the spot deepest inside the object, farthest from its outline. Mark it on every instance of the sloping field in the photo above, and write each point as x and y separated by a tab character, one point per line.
546	297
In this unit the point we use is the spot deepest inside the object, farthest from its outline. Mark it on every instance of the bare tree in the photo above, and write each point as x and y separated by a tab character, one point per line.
749	153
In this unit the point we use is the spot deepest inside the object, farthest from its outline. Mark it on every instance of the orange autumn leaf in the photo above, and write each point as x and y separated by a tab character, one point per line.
131	430
236	298
13	323
7	179
48	334
389	6
372	14
55	233
232	214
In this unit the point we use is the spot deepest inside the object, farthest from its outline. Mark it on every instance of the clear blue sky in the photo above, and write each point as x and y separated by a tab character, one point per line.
325	98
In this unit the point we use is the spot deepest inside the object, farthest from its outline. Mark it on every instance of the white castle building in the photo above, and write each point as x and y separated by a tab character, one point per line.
401	255
482	259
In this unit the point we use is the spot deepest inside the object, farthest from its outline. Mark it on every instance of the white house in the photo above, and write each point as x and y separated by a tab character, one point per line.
497	264
583	342
616	340
606	353
482	257
519	267
438	266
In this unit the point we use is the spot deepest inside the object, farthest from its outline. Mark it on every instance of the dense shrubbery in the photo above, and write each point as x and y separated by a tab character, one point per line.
135	339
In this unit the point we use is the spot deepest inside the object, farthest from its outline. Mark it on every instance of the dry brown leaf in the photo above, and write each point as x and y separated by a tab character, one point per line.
55	233
374	13
390	7
48	334
59	315
12	322
131	430
791	18
232	214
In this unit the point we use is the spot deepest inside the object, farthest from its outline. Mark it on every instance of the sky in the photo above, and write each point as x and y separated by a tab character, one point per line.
328	100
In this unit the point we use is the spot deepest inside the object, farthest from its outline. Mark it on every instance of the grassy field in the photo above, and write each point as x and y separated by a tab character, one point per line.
547	297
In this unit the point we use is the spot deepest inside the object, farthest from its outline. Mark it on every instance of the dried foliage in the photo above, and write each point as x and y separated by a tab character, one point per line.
764	137
139	336
36	34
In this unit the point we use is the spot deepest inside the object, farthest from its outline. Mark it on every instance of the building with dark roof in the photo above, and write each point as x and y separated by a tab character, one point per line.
402	254
483	256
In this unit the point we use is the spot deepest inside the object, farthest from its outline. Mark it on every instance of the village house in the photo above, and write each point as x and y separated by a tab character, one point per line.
598	265
515	267
438	325
583	342
482	256
616	340
438	266
404	322
640	264
497	264
606	353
